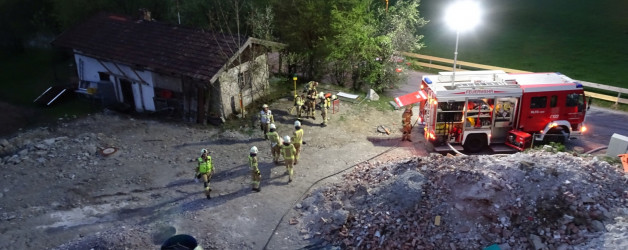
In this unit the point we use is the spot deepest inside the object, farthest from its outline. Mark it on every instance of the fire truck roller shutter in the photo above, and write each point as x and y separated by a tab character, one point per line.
474	143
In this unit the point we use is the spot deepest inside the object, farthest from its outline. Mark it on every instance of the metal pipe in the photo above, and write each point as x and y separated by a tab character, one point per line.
42	94
453	75
53	99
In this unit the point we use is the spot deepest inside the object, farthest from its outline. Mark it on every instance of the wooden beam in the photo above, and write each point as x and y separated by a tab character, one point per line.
436	66
462	63
606	97
604	87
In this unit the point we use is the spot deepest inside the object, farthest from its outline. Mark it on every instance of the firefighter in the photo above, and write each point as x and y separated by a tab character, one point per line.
299	102
311	100
406	120
275	142
253	166
297	140
266	118
326	104
288	151
312	85
205	170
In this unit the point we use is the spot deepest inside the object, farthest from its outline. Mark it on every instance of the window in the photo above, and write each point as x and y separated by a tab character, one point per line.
538	102
244	80
572	100
553	101
103	76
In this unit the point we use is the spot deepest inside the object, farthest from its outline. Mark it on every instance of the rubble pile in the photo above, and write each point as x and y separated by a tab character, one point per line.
537	199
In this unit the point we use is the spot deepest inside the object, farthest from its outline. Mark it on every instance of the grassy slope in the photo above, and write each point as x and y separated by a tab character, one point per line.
583	39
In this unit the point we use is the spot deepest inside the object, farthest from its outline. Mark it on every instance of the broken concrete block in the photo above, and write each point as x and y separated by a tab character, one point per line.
536	242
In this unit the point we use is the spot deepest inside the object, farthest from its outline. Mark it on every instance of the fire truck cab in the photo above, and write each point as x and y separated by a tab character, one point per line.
480	108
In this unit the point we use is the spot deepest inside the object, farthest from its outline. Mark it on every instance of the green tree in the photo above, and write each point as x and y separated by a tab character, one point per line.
398	29
303	24
20	21
352	45
366	39
69	12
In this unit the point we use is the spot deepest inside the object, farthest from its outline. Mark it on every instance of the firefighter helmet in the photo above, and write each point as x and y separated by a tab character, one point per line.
297	124
272	126
265	106
254	150
204	151
286	139
321	95
334	97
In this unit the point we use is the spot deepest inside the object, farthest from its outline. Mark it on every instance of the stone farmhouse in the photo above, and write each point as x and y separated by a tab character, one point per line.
149	66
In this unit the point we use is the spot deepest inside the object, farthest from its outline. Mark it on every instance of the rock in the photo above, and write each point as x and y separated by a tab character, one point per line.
372	95
340	217
562	247
14	159
23	152
91	149
536	242
463	229
506	233
598	226
4	143
459	206
504	246
587	199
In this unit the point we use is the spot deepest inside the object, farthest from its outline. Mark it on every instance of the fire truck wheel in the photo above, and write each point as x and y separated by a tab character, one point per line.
556	135
474	143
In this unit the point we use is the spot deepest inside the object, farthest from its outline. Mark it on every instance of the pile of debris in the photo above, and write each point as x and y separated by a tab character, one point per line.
537	199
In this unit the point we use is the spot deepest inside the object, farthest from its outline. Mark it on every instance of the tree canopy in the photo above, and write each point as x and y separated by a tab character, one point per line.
352	41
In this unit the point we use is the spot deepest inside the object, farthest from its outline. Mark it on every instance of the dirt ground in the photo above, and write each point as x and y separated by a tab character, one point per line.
59	191
354	188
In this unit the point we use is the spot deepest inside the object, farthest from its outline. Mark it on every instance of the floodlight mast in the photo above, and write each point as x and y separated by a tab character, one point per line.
462	15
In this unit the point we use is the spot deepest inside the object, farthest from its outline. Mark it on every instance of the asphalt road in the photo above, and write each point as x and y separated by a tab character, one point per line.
601	123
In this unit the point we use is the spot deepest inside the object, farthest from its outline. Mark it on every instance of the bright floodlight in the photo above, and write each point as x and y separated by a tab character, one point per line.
463	15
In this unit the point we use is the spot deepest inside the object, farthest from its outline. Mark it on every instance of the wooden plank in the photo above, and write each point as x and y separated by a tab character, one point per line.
605	87
436	66
462	63
600	96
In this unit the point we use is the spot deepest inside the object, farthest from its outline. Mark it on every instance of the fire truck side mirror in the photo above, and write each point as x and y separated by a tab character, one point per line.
589	103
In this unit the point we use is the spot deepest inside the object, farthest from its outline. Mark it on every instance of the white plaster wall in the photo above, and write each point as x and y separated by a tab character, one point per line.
88	69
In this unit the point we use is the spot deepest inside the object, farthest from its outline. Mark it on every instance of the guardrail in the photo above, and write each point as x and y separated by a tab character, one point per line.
441	64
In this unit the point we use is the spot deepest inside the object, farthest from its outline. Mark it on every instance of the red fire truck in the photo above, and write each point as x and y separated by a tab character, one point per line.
478	108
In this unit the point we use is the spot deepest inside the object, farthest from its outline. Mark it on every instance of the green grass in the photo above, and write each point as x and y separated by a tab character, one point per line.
582	39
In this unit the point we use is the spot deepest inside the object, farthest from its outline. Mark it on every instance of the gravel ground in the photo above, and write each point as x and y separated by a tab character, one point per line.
59	191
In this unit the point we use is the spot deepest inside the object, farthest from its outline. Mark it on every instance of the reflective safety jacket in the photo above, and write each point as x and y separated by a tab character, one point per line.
253	163
327	103
205	166
288	151
299	101
274	138
297	136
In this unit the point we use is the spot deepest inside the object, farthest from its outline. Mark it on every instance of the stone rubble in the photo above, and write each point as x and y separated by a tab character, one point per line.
532	200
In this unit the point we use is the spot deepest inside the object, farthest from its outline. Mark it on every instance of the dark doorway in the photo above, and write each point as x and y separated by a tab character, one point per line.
127	93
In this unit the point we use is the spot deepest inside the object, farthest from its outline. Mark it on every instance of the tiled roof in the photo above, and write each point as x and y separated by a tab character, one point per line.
153	45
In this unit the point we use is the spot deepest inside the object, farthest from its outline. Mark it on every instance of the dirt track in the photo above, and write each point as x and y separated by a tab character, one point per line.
59	191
